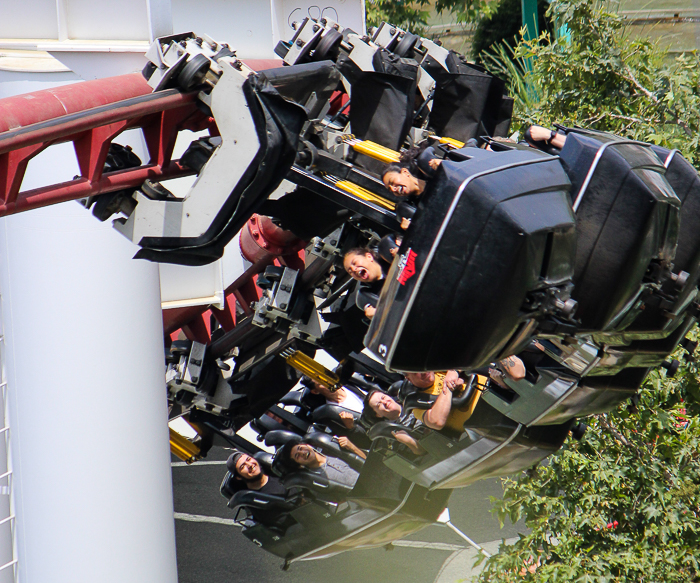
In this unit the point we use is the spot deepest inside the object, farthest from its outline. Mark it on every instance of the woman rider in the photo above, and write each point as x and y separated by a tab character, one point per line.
364	265
409	176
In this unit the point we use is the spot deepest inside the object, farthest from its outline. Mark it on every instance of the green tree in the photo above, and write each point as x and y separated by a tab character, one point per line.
621	505
598	76
503	23
413	14
407	14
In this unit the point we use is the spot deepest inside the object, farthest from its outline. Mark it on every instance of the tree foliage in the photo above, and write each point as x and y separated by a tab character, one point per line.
598	76
624	503
621	505
503	24
407	14
413	14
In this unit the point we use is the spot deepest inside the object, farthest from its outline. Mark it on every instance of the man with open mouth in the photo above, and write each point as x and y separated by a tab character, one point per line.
298	454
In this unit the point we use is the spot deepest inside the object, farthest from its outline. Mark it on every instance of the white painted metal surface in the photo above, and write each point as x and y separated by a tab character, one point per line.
83	354
82	347
8	561
240	144
83	333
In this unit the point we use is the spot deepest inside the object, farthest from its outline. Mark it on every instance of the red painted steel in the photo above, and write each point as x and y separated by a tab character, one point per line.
110	106
31	108
199	328
262	64
261	239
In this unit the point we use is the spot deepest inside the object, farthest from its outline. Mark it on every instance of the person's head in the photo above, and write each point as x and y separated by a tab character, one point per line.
381	406
297	454
422	380
244	467
303	454
401	182
363	265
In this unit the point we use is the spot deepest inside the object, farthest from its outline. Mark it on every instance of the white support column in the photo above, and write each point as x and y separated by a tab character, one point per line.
7	521
88	414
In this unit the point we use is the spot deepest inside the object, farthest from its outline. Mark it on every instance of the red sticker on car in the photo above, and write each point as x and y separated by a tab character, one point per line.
407	267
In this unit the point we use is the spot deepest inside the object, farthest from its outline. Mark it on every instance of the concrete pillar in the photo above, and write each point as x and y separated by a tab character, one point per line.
87	404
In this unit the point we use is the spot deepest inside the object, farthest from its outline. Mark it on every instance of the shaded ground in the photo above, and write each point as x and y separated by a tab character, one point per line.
219	553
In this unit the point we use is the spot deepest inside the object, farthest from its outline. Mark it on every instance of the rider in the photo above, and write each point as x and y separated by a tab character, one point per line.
364	265
298	454
416	165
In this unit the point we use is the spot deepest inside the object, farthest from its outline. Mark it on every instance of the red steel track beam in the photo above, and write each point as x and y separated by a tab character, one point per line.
21	111
91	115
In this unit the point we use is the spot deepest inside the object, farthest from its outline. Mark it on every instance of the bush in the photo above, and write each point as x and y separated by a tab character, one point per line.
504	25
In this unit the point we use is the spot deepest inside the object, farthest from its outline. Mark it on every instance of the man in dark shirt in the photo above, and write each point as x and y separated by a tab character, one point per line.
247	470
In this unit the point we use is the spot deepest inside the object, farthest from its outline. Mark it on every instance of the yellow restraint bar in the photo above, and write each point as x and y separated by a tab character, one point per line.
312	369
365	194
452	142
376	151
183	448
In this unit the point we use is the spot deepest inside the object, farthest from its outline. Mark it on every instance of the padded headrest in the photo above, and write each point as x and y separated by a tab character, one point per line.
293	398
395	388
386	246
279	437
358	381
405	210
230	485
265	460
331	412
265	424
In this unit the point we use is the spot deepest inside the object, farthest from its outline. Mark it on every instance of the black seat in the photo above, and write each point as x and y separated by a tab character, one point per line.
468	101
320	486
267	509
264	458
627	218
279	437
254	499
264	424
329	446
386	430
329	415
488	255
293	398
230	486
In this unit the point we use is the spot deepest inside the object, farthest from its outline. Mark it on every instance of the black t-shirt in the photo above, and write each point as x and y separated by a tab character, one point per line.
270	517
274	487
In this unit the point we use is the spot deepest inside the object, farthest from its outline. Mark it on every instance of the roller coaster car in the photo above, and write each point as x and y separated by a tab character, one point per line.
627	220
489	256
679	290
558	390
259	117
323	519
490	445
